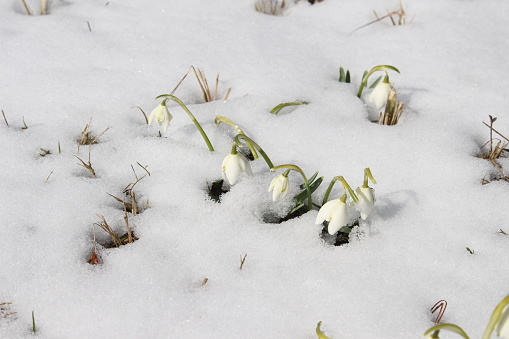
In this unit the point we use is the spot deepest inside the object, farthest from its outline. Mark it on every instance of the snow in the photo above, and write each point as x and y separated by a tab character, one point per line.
411	252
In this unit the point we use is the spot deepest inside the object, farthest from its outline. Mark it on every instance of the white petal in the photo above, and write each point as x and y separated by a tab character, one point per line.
151	117
378	97
247	168
326	211
366	201
339	218
232	172
166	123
272	184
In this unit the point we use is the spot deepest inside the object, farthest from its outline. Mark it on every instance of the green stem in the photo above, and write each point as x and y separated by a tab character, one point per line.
237	129
367	174
364	81
345	185
196	123
448	327
495	318
306	182
234	149
247	139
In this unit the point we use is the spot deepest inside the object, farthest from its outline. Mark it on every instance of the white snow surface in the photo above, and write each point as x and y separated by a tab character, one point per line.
56	74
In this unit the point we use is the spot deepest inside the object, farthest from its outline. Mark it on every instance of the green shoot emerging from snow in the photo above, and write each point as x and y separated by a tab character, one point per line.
279	107
365	78
193	119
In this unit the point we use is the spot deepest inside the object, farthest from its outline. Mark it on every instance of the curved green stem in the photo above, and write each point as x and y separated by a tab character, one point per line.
364	81
319	332
495	318
449	327
234	149
247	139
345	185
367	174
219	119
306	182
196	123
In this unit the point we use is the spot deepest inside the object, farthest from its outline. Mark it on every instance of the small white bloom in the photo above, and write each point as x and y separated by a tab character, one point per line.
366	201
279	187
233	165
335	212
502	327
378	98
161	115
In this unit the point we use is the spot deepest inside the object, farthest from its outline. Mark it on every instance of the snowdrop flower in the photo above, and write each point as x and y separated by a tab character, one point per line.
366	201
365	195
335	212
378	98
234	164
279	186
161	115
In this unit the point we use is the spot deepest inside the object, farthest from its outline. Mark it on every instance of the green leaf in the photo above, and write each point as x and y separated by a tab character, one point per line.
363	77
296	208
304	194
279	107
448	327
347	80
342	76
310	181
495	317
319	332
376	82
345	229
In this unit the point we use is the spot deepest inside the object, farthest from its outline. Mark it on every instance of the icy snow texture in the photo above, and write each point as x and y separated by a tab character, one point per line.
411	253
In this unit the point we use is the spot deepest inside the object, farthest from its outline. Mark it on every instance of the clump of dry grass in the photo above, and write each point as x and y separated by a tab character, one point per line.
397	17
5	310
44	7
87	137
393	110
131	205
497	147
204	86
271	7
87	165
117	240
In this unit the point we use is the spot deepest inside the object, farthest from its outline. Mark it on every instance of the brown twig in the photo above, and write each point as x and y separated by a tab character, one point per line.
441	305
5	119
26	7
242	260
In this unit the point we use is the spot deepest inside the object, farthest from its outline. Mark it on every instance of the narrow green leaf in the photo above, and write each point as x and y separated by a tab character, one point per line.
363	78
279	107
319	332
310	181
376	82
347	80
342	76
296	208
303	195
449	327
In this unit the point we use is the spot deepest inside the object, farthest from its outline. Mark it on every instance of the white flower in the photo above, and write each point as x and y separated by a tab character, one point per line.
502	327
366	201
335	212
378	98
279	187
161	115
233	165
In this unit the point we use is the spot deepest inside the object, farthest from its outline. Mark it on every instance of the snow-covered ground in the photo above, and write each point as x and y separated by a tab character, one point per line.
99	59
